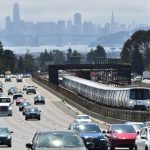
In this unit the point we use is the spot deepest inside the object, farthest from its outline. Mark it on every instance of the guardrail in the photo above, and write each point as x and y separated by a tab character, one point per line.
107	114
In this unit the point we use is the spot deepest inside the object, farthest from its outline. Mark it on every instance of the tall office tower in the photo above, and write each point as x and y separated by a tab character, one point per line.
112	23
7	23
16	14
77	23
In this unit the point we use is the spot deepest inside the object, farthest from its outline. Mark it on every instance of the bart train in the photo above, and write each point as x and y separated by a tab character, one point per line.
130	97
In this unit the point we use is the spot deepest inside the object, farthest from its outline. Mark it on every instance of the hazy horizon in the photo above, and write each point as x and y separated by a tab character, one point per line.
98	12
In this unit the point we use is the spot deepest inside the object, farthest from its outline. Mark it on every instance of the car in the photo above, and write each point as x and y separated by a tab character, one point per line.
2	76
39	99
121	135
5	136
30	89
83	118
91	135
32	113
23	104
59	140
17	95
25	109
19	100
142	141
137	125
19	79
12	90
7	79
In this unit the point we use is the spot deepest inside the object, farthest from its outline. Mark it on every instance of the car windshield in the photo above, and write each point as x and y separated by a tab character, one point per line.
123	129
26	103
138	127
87	128
3	130
39	96
83	117
32	110
59	140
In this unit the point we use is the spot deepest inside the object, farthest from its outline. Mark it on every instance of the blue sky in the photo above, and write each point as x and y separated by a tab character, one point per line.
98	11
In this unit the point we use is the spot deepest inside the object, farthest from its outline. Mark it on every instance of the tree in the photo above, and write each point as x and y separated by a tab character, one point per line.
98	52
58	57
29	65
140	43
9	60
73	57
20	65
137	62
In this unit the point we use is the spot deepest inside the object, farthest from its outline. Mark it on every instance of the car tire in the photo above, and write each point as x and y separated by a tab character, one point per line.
131	148
19	109
39	118
26	118
35	103
43	102
146	148
34	92
9	145
27	93
135	147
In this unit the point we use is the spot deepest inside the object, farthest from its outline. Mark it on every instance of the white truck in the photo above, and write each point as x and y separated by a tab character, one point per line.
146	75
5	106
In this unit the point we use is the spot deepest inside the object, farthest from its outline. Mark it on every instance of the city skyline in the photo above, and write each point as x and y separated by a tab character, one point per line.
97	12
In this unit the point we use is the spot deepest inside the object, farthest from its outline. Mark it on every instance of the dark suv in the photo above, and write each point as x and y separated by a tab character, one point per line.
5	136
91	134
32	113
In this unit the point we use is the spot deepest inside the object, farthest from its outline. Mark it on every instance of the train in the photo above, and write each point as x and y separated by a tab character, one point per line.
108	95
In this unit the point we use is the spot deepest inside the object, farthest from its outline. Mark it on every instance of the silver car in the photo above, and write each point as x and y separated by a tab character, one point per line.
58	140
142	141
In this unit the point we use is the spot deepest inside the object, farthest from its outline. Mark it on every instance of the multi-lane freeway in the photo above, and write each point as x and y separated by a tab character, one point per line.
54	115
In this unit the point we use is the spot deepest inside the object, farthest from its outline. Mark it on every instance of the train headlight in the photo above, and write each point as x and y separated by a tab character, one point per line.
131	102
148	102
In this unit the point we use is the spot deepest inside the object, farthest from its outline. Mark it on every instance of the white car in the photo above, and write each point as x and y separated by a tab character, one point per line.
137	125
83	118
142	141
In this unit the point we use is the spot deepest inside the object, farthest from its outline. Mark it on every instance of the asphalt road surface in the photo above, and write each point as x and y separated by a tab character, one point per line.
54	115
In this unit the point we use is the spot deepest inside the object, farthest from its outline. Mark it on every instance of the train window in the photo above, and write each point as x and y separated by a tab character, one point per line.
141	94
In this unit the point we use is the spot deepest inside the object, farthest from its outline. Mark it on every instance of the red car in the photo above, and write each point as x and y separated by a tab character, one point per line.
121	135
19	100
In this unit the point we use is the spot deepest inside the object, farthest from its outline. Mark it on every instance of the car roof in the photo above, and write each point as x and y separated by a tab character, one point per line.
82	115
56	131
134	123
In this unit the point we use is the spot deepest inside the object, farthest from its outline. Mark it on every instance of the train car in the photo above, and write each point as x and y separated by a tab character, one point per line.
130	97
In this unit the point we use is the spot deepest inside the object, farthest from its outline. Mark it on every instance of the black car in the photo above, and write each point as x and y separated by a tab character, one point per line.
32	113
56	140
23	104
5	136
17	95
39	99
91	135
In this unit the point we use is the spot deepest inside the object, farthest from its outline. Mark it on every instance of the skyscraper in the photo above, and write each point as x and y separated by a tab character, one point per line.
77	23
112	23
16	14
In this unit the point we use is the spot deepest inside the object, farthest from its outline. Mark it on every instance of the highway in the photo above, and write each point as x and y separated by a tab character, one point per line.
54	115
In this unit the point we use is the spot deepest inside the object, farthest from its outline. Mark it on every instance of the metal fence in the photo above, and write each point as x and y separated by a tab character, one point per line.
108	114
